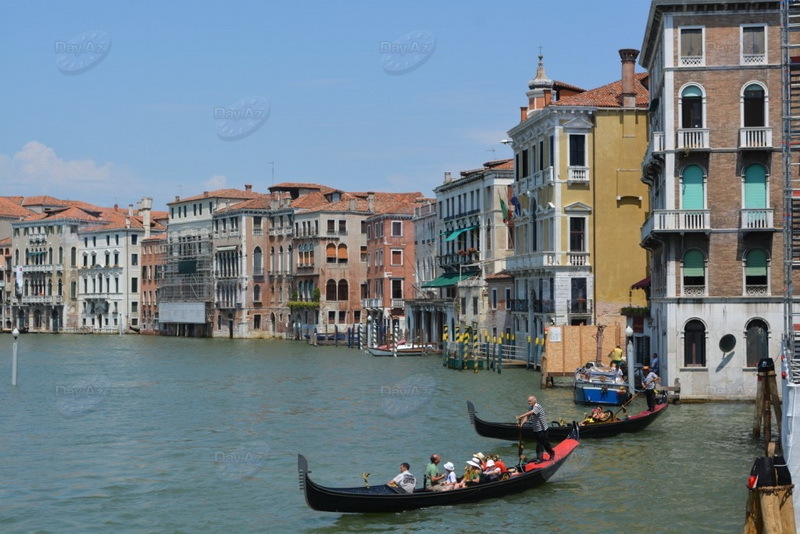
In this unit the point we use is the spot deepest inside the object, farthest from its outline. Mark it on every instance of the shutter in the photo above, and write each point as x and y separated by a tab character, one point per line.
692	190
755	187
694	263
756	263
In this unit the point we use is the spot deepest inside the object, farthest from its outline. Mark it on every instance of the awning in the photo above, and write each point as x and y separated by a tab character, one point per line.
447	280
458	232
642	284
226	248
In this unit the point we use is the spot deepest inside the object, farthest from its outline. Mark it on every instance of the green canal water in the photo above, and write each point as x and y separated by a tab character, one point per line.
155	434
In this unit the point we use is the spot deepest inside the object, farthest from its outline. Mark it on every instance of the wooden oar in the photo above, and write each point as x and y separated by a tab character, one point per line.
520	447
622	408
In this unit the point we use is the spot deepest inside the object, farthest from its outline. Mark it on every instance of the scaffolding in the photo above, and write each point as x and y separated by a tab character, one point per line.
790	100
188	272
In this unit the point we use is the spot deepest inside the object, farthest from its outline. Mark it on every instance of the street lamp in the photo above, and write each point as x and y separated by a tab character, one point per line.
629	351
14	333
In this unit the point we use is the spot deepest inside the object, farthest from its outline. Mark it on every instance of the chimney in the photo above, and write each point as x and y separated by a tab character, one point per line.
205	194
248	187
130	210
371	201
628	96
352	204
448	177
145	205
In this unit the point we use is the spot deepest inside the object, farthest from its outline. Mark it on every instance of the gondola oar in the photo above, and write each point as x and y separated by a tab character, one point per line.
622	408
520	446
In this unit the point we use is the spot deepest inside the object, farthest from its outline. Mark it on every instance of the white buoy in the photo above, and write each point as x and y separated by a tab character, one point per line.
15	333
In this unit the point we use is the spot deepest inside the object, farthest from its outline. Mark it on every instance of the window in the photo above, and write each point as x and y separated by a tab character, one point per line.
754	45
257	322
134	239
494	298
257	293
694	344
342	253
364	227
397	257
134	307
134	259
754	106
397	229
693	188
397	288
258	261
134	285
691	107
508	298
331	226
474	305
755	272
343	291
691	49
577	234
755	195
330	253
757	342
577	150
330	290
342	227
694	273
364	255
525	159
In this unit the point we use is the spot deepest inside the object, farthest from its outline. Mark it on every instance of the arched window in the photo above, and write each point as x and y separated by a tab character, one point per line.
694	273
258	261
344	293
755	187
693	195
73	257
257	293
330	253
757	334
330	290
692	107
754	108
755	272
694	344
342	253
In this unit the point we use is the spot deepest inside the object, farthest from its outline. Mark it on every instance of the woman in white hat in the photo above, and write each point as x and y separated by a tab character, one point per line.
450	477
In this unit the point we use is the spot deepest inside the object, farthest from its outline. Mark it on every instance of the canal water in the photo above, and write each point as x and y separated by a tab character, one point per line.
154	434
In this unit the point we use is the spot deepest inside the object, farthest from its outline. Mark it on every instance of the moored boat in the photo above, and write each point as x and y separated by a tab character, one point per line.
403	349
383	499
557	431
599	385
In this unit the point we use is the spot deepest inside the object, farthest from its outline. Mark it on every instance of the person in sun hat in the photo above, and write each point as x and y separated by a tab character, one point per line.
472	474
450	476
491	472
481	459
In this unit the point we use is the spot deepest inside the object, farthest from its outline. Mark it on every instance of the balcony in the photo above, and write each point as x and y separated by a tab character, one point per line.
693	138
518	305
692	61
694	291
678	221
44	268
398	303
757	219
258	271
577	259
544	306
578	175
756	290
579	306
372	303
755	138
754	59
543	177
538	260
41	299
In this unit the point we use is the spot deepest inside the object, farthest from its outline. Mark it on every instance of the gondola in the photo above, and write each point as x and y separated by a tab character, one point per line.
557	431
383	499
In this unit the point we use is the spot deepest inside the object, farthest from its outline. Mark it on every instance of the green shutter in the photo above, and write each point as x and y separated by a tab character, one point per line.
756	263
694	263
755	187
692	191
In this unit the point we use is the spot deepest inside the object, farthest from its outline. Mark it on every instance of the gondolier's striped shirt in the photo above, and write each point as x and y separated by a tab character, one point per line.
537	420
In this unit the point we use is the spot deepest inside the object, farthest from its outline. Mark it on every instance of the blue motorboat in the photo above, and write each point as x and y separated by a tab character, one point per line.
596	384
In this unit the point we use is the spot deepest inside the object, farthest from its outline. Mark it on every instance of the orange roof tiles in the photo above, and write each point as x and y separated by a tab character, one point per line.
609	95
220	193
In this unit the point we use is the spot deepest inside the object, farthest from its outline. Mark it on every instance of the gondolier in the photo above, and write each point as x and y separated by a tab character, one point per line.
537	422
649	386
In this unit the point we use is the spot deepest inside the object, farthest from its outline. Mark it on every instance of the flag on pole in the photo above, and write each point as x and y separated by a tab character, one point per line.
503	208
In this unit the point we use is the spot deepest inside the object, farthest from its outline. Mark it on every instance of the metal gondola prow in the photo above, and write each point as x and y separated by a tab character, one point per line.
302	470
471	409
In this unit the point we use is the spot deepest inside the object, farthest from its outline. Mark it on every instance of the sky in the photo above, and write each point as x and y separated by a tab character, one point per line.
109	102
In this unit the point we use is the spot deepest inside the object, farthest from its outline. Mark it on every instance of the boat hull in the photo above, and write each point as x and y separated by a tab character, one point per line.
603	394
512	432
383	499
375	351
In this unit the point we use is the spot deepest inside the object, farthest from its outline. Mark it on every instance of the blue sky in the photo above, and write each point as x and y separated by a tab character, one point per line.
110	101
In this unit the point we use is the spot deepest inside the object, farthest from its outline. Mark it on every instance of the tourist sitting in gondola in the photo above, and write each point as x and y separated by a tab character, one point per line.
472	474
404	482
598	416
492	472
500	463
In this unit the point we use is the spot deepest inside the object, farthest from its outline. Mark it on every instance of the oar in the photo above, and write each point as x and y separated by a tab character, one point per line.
520	447
622	408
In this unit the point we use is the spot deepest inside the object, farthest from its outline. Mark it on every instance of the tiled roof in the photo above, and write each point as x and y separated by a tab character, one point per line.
11	207
502	275
609	95
65	213
498	164
43	200
260	203
220	193
287	186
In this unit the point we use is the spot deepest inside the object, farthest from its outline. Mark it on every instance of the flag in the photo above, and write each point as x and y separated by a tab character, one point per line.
517	206
504	209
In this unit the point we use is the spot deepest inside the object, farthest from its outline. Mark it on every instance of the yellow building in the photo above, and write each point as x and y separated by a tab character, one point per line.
578	204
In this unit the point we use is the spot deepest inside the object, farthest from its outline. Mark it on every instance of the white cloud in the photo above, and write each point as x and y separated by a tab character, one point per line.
37	165
218	181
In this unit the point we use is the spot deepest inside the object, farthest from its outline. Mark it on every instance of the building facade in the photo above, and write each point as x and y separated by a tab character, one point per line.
715	179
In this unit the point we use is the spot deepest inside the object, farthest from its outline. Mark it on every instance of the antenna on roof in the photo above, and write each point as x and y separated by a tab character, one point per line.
492	150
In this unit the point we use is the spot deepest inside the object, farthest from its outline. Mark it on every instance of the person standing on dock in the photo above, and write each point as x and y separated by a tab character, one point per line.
537	422
616	357
654	364
649	386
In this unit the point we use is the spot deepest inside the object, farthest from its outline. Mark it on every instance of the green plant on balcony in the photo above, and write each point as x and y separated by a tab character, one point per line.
635	311
296	305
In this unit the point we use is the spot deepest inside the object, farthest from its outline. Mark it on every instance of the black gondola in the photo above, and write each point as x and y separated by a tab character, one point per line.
383	499
556	431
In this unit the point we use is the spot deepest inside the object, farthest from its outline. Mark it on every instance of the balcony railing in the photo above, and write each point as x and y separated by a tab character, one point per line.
677	221
757	290
544	306
578	175
579	306
755	137
693	138
398	303
543	177
578	259
372	303
518	305
757	219
44	268
41	299
258	271
754	59
535	260
692	61
694	291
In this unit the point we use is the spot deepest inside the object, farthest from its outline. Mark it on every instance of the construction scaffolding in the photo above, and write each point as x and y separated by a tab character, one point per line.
186	292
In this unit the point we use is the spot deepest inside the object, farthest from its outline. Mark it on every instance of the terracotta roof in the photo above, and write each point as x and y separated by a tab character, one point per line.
502	275
609	95
498	164
5	242
9	207
43	200
286	186
220	193
260	203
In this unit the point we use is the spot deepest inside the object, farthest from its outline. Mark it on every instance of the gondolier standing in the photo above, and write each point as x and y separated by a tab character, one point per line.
537	422
649	386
